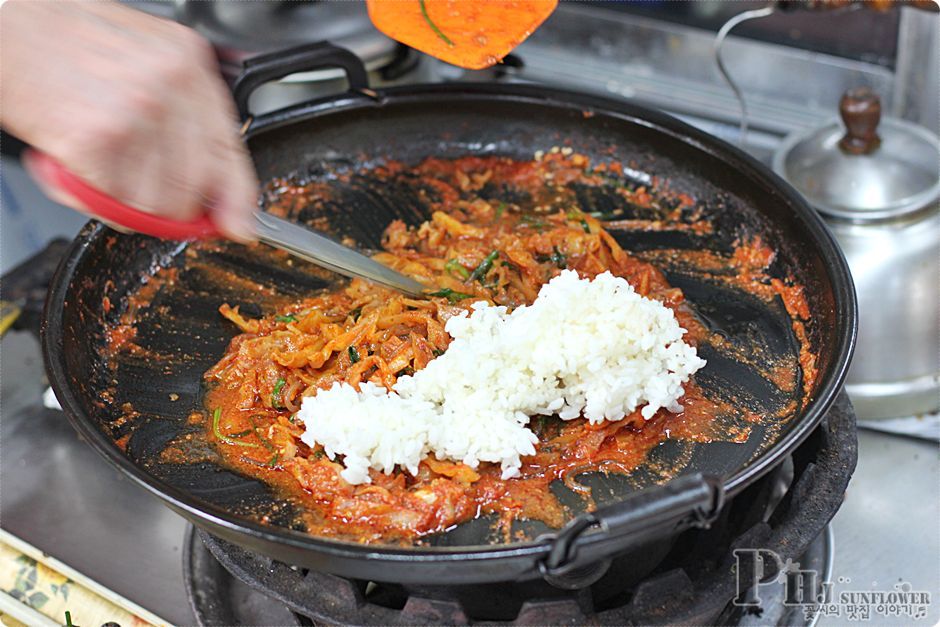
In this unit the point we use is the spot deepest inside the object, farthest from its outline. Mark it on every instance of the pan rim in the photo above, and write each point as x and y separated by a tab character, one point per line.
844	297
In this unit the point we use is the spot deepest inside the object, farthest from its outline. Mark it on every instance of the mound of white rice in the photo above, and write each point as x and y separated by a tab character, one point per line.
592	348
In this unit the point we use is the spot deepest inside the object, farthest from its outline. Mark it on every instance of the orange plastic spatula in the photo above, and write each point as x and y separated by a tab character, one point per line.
473	34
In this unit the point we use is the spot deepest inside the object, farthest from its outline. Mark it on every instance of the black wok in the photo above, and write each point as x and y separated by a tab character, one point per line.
182	334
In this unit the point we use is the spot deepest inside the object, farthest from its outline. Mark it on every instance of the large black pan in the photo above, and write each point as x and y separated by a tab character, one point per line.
183	335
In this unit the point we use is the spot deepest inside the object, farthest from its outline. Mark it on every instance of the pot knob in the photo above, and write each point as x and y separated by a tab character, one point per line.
861	111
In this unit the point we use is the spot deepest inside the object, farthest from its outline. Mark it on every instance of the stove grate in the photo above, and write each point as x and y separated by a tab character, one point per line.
692	582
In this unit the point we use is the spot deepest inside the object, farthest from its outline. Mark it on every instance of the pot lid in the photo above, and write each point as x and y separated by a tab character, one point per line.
859	169
243	29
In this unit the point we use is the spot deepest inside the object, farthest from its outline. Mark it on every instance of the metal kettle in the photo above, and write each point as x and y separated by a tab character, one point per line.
877	186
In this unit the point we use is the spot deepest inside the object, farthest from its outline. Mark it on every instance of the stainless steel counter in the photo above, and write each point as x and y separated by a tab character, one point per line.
57	494
888	529
60	496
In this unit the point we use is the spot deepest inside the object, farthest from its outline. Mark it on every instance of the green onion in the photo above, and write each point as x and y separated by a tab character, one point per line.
355	313
319	453
437	31
579	215
241	434
453	266
532	221
287	318
540	423
353	354
264	441
450	294
68	619
605	215
227	439
273	460
558	258
437	352
276	394
481	270
500	210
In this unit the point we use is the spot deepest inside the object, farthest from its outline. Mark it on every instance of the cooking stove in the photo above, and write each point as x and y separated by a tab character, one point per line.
256	596
693	582
61	497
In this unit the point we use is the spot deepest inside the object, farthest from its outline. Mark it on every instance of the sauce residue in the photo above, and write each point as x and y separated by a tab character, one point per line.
498	230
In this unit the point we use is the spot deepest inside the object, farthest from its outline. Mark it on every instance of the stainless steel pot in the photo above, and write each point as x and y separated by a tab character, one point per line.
878	188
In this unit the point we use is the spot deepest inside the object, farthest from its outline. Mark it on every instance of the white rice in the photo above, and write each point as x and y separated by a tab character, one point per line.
592	348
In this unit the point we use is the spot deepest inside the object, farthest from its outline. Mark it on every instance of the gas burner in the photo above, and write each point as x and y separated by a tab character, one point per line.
242	30
692	582
219	598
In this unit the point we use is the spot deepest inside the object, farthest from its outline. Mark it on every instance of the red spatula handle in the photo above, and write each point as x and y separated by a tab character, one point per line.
108	208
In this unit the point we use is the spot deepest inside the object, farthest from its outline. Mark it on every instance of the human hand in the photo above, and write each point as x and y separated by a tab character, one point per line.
132	104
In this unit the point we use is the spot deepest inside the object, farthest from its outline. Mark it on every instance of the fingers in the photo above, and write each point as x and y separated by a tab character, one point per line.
131	104
174	180
235	195
169	179
234	186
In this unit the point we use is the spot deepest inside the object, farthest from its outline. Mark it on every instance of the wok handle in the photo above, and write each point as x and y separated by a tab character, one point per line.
269	67
111	210
688	501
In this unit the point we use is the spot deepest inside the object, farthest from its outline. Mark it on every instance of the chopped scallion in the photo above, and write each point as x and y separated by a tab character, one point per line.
437	31
450	294
481	270
227	439
512	266
533	221
264	441
276	394
540	424
455	267
353	354
287	318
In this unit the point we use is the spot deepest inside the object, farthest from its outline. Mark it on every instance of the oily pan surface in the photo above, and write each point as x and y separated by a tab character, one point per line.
143	398
752	387
477	246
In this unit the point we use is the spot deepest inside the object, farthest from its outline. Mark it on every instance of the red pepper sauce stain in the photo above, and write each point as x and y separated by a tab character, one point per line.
473	247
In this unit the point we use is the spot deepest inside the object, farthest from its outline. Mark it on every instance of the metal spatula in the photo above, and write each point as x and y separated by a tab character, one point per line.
331	255
277	232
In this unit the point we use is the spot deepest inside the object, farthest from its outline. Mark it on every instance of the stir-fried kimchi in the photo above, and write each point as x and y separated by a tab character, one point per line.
472	248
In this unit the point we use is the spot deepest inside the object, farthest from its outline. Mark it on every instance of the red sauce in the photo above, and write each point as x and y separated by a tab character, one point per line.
364	333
